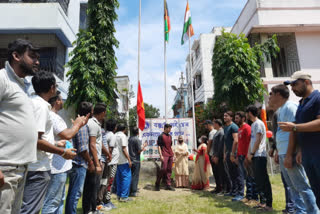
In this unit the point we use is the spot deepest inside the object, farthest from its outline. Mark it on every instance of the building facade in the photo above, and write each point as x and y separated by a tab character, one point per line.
297	26
201	62
51	25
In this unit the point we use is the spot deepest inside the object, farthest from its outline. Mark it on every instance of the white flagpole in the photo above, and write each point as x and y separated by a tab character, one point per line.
139	44
165	65
139	38
192	96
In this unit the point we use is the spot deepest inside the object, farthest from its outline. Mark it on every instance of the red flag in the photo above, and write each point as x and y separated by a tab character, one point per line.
264	115
140	109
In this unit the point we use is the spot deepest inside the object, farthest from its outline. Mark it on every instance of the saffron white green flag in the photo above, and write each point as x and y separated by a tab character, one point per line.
187	27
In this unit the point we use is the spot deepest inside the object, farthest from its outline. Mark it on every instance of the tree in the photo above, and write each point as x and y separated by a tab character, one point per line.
150	112
235	70
93	63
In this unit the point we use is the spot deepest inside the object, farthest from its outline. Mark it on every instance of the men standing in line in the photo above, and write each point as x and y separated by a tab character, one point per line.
123	175
258	156
166	157
81	163
54	200
305	132
38	177
295	178
18	145
135	149
244	136
231	145
92	182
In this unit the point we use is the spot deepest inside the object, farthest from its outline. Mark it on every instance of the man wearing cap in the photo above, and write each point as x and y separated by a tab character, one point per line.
17	124
305	131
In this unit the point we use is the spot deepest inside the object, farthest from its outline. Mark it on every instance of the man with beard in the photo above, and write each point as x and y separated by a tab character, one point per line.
17	124
305	131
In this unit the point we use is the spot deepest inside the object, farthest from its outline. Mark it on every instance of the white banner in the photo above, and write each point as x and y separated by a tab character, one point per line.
154	127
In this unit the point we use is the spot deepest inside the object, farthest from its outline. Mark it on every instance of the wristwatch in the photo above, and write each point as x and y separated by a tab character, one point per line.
251	153
294	128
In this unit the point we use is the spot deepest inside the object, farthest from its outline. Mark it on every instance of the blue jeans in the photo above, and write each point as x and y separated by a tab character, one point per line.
135	169
311	164
77	176
53	202
123	178
289	203
302	195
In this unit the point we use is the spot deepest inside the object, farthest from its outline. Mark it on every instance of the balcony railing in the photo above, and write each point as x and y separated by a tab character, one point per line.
63	3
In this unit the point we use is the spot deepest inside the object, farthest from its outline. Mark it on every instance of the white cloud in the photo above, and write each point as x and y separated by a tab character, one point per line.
205	15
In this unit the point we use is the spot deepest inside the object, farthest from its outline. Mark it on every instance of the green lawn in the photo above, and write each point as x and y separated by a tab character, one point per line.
185	201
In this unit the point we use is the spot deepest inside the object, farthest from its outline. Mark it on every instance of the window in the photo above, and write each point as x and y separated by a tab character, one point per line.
198	52
83	16
287	61
198	81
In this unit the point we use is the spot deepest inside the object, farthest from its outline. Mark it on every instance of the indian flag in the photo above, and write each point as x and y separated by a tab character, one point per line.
187	27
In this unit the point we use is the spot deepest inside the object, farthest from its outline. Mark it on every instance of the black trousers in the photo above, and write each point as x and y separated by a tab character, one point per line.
220	176
90	192
135	171
262	180
236	180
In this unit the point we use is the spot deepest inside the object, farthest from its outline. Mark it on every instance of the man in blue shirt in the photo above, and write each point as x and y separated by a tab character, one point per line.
305	132
300	190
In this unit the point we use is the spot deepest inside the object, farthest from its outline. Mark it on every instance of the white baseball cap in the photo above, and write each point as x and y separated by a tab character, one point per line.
298	75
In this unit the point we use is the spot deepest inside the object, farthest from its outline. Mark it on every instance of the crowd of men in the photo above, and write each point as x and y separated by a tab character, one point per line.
238	151
39	151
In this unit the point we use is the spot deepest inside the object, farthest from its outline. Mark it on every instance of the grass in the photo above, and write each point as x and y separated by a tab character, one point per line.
186	201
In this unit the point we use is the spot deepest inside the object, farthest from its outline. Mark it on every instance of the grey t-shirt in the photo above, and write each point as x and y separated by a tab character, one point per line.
258	127
95	131
134	148
18	141
122	141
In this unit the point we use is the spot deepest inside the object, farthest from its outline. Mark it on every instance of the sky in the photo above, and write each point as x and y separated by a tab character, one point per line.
205	14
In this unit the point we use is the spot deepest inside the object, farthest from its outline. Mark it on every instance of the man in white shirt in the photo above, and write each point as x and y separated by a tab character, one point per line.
38	176
123	176
54	200
17	124
258	156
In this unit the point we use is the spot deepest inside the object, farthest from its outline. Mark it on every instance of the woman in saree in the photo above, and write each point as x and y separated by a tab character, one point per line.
181	163
203	170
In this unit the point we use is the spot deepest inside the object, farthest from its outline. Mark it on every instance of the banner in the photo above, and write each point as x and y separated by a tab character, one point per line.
154	127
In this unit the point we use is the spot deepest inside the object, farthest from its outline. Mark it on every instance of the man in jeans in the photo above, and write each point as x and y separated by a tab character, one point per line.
38	177
123	175
54	200
258	156
135	150
244	136
166	157
81	163
305	132
295	177
18	144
